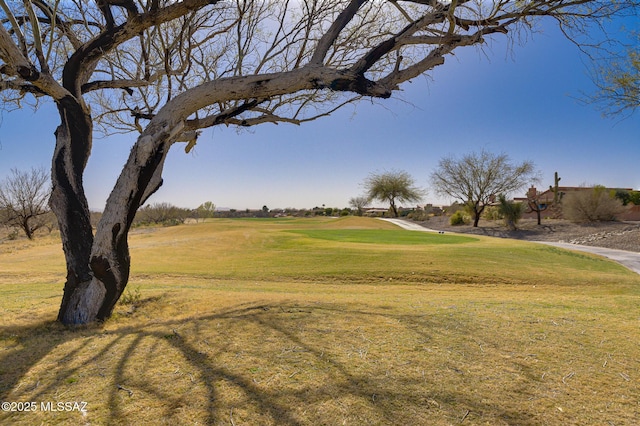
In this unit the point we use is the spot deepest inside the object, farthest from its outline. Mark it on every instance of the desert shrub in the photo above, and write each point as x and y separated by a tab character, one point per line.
433	210
204	211
594	205
418	215
510	211
459	218
161	214
491	213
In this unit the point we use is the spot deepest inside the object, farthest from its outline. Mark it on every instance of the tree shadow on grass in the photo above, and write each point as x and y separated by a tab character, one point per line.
282	364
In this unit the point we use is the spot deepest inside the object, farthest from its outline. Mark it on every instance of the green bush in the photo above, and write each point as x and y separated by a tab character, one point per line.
459	218
492	213
627	197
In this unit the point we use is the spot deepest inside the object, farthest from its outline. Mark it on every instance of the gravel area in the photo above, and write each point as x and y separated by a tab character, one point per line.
615	235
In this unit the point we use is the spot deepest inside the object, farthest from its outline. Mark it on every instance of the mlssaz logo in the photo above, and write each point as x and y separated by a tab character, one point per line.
64	406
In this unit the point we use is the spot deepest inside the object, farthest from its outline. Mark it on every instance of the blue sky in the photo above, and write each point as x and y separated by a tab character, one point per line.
520	101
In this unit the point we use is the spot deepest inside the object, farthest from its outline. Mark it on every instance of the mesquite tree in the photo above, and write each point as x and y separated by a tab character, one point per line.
392	187
476	179
168	68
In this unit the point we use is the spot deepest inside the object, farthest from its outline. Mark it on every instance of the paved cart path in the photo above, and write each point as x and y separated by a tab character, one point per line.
630	259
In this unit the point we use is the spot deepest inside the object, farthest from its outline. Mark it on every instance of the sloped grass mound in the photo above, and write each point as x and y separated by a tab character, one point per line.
383	236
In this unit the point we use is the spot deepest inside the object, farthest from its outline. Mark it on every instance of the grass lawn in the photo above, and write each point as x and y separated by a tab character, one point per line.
326	322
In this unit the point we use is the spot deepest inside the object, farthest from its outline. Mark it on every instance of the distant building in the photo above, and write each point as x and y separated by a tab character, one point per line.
375	211
380	211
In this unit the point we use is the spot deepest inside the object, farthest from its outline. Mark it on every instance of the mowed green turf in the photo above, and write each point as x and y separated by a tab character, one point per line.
383	236
346	248
327	321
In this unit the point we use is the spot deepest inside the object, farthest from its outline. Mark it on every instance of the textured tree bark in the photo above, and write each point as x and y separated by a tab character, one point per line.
94	296
110	260
69	203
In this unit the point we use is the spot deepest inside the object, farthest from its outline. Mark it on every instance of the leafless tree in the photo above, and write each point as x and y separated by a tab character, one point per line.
359	203
168	69
161	214
534	203
23	199
477	179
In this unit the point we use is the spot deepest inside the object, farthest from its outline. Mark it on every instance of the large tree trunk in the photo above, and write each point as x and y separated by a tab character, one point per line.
95	299
26	228
394	208
140	178
69	203
476	216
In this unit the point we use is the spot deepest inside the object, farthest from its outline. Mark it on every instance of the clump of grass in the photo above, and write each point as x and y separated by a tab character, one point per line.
131	297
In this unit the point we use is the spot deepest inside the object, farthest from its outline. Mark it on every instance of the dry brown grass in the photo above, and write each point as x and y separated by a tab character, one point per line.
207	348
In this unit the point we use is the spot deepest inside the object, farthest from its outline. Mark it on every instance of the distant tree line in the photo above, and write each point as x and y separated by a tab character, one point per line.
479	182
280	212
166	214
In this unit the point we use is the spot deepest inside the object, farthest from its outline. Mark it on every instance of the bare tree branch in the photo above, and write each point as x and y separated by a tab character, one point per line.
334	30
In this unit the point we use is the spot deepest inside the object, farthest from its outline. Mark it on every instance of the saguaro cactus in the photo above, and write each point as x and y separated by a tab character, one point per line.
556	192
